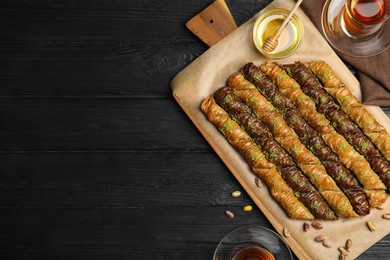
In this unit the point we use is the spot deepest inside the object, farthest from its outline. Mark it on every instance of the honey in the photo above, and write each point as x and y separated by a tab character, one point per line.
290	38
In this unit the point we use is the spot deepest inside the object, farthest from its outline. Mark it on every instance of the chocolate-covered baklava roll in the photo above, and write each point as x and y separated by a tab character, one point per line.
341	121
240	140
310	138
352	106
346	153
286	137
274	153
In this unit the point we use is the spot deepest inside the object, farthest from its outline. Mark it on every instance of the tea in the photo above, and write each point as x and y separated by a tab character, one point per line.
253	252
364	17
368	11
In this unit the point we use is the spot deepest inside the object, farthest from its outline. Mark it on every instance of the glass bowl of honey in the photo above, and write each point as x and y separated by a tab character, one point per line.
289	40
252	242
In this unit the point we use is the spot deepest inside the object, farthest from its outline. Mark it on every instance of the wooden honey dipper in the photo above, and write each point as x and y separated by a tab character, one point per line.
271	42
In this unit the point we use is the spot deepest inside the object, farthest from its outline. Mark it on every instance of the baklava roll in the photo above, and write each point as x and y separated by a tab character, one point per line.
341	122
305	160
308	136
274	153
264	110
237	137
346	153
292	90
352	106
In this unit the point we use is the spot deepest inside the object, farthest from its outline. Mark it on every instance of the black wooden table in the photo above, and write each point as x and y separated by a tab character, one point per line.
97	160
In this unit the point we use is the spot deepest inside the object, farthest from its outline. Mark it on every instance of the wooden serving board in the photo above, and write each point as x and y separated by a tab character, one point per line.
211	70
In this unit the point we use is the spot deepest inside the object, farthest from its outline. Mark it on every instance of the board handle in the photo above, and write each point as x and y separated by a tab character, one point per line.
213	23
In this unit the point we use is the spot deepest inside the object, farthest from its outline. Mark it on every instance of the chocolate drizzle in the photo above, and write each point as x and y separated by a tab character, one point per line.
274	153
341	122
308	136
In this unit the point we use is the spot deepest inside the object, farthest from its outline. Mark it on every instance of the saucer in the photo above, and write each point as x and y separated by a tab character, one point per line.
334	31
250	237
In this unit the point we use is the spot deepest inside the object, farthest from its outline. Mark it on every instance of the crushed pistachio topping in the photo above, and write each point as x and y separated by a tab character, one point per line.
274	155
342	206
227	127
251	125
340	176
367	121
303	99
341	121
317	145
294	119
323	99
277	99
315	205
305	75
364	145
275	123
294	178
326	73
294	207
322	121
252	100
345	99
330	214
314	178
296	149
281	76
257	76
365	175
255	156
342	146
228	100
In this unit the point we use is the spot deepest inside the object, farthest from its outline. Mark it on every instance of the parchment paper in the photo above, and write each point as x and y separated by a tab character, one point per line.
210	72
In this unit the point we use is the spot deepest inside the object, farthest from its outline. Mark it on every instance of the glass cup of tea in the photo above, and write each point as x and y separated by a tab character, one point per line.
357	27
365	17
252	242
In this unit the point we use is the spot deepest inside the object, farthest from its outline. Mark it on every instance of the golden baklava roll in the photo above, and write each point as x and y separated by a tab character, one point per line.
340	120
240	140
306	161
339	145
352	106
274	153
309	137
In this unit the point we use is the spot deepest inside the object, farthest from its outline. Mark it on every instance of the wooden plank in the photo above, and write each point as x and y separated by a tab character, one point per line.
108	49
92	205
122	233
116	180
101	226
92	69
96	124
112	48
151	233
120	20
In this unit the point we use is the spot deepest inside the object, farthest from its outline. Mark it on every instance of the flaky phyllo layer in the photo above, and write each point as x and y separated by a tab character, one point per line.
321	154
